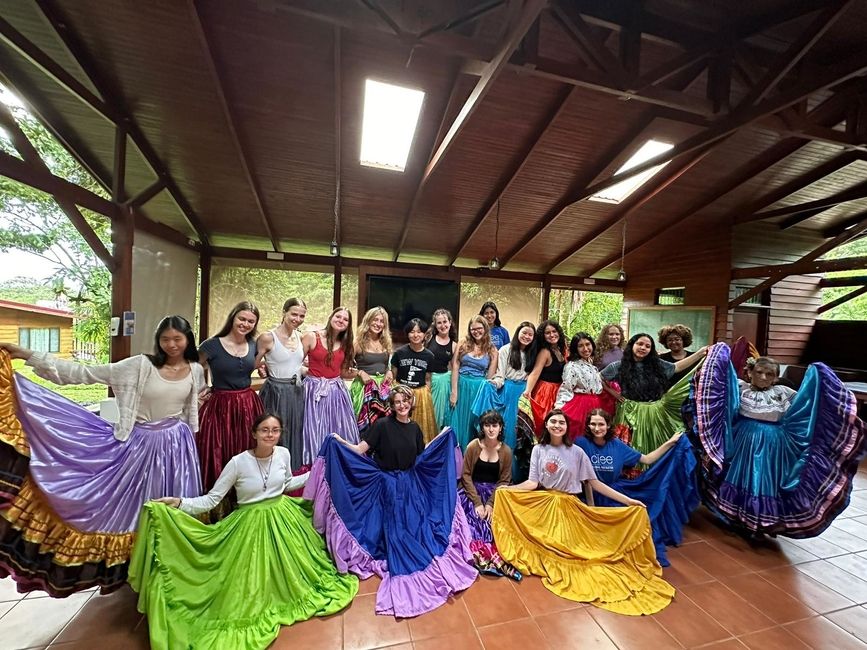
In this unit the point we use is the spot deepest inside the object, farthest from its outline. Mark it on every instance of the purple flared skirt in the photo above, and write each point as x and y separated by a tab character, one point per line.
327	409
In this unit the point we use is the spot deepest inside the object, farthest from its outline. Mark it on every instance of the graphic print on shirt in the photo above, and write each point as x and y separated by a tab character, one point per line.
415	370
602	463
553	464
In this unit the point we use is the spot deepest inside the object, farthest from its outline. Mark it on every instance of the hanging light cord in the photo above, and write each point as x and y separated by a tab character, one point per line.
623	245
497	231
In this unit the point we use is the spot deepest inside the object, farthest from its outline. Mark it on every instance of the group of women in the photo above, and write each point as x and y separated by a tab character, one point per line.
85	503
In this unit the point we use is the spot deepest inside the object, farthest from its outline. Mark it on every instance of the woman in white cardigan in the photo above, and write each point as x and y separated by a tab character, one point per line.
74	483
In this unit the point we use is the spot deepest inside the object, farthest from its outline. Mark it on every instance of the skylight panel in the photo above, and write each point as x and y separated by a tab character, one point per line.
390	120
616	193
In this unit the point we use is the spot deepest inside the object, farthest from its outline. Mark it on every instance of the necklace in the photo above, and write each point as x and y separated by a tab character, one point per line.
264	474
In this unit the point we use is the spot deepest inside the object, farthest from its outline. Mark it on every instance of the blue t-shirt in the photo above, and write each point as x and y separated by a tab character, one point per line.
609	460
499	336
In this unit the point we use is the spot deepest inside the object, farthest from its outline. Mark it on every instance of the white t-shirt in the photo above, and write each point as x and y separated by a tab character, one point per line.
560	467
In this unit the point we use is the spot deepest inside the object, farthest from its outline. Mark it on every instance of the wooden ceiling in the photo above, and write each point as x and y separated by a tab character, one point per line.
240	121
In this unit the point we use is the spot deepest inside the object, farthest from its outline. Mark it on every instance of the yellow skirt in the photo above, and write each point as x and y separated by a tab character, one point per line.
603	556
424	414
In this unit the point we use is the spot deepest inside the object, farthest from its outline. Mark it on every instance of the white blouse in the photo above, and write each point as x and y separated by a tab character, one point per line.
505	371
578	377
254	480
768	405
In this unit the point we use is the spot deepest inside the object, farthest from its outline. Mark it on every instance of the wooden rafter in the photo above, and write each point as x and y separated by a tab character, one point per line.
147	193
847	281
463	19
802	267
844	225
383	15
592	47
118	177
842	299
858	191
121	114
794	220
210	53
508	177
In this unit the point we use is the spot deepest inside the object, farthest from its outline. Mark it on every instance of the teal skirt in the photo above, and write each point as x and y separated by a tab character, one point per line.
232	585
464	422
440	390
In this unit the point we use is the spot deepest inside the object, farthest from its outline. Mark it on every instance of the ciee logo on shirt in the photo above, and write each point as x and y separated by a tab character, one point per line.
598	460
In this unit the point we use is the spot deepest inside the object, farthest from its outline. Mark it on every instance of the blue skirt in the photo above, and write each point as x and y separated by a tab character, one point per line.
505	402
464	422
440	390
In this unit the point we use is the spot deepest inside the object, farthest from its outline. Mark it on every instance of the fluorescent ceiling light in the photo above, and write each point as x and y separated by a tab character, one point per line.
390	119
616	193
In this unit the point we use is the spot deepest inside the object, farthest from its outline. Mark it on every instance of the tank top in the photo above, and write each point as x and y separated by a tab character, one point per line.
316	361
373	363
442	355
485	471
284	363
474	366
553	373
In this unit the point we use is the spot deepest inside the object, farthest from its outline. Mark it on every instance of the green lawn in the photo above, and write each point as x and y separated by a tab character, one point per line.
90	394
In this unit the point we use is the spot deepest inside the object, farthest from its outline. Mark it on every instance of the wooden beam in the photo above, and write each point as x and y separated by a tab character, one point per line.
858	191
532	9
794	220
18	42
593	48
796	51
79	53
802	267
508	177
846	281
212	63
336	298
719	80
338	170
463	19
383	16
122	238
147	193
839	301
118	177
855	220
205	259
747	212
162	231
629	42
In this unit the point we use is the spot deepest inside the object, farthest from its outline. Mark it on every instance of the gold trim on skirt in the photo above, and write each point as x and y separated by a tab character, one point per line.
11	431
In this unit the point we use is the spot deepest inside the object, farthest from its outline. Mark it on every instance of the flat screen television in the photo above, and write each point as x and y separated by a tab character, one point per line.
407	298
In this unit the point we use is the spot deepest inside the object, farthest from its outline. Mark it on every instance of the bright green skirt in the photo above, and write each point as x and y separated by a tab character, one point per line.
232	585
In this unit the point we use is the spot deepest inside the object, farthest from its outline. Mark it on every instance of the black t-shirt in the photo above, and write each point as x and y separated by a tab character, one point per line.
412	367
442	355
393	444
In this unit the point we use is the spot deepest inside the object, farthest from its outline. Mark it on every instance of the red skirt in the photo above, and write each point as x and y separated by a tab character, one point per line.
543	398
225	430
577	408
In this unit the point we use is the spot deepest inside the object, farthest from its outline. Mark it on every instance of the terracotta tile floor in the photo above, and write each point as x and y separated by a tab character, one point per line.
782	593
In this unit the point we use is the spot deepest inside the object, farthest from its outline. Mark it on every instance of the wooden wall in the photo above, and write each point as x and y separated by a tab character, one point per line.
13	319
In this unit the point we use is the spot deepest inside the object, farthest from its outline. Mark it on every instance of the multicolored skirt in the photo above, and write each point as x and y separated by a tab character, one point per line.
225	429
602	556
577	408
542	400
652	423
504	401
441	390
525	440
423	413
370	400
68	512
285	397
669	489
403	526
232	585
486	557
464	423
792	477
327	410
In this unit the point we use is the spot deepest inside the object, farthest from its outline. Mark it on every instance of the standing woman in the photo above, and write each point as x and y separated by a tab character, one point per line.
411	365
545	362
282	392
327	407
582	389
677	338
646	403
474	361
233	584
370	388
499	334
609	346
442	343
73	483
228	413
504	391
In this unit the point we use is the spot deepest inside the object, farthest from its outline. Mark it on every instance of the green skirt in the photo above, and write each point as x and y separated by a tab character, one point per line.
232	585
440	391
652	423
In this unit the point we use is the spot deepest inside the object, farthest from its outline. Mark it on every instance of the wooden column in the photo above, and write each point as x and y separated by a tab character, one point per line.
121	278
338	283
204	293
546	300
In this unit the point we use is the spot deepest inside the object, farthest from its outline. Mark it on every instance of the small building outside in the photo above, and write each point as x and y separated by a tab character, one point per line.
44	329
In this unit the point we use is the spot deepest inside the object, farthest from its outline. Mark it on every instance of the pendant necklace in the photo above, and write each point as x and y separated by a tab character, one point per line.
264	474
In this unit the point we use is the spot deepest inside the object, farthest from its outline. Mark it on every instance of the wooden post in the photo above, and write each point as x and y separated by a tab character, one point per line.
338	283
204	292
121	278
546	300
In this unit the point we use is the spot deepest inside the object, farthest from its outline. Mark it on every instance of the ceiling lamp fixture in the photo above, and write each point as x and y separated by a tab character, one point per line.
621	274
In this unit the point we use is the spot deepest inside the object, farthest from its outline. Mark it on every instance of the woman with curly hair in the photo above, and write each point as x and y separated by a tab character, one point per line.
441	340
677	338
372	383
609	345
545	361
646	404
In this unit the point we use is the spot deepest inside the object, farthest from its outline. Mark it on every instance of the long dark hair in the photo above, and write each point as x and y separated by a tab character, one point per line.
493	306
244	305
546	437
539	344
515	347
642	386
605	415
181	324
573	346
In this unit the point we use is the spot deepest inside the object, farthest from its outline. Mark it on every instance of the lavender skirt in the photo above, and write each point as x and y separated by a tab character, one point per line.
92	480
327	409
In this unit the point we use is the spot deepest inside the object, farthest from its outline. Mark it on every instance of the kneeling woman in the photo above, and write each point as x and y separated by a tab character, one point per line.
395	515
774	460
668	488
233	584
604	556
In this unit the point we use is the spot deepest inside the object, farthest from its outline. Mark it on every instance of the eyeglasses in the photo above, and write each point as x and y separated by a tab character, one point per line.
477	329
274	430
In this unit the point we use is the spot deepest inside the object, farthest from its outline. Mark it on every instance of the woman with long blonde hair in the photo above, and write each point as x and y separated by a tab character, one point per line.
474	361
372	383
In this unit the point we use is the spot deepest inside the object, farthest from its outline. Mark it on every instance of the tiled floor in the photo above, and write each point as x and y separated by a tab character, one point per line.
780	594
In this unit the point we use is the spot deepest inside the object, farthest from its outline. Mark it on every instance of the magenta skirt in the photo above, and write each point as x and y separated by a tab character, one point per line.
225	430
